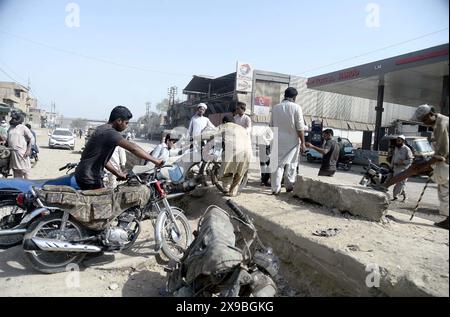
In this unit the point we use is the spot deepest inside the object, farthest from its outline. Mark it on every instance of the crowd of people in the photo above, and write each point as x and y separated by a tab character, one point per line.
279	151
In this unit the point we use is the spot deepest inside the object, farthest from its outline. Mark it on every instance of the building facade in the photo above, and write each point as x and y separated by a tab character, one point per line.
16	96
350	116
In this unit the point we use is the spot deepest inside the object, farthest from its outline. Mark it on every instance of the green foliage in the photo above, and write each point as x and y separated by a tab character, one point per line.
79	124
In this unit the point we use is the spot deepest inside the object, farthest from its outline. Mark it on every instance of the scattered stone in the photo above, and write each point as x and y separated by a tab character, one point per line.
353	247
102	277
113	286
330	232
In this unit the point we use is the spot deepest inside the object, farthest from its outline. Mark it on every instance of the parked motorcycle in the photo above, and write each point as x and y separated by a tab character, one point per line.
226	259
63	236
18	206
345	161
375	175
34	158
5	154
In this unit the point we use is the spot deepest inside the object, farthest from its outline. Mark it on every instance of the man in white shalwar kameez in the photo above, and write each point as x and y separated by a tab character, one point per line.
288	124
197	126
199	122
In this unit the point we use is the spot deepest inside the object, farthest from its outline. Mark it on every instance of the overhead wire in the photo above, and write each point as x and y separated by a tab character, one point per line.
93	58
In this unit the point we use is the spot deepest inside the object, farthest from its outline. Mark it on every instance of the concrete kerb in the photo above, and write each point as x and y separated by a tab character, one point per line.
347	272
340	271
330	192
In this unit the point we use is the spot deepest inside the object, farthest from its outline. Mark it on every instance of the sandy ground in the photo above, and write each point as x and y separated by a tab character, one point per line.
135	273
141	273
138	272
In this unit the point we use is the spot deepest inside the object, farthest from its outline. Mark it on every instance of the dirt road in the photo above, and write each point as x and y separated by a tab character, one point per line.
138	272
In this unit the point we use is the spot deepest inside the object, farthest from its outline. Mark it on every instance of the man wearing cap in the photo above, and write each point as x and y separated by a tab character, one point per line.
440	139
287	117
199	122
401	161
162	151
20	139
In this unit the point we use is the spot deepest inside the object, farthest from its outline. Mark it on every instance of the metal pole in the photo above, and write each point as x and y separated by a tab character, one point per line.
379	118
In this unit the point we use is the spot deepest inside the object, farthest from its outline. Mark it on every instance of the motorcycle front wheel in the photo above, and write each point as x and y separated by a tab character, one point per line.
48	227
173	243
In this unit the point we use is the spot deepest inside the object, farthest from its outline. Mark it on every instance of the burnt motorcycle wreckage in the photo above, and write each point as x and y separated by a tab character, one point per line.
5	154
226	259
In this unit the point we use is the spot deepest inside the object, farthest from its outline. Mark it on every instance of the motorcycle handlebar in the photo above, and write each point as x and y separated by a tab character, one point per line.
68	165
238	211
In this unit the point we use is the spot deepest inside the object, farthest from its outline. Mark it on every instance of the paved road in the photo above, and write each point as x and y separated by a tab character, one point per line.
428	207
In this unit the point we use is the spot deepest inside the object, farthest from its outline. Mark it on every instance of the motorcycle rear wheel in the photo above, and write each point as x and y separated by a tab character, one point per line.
173	245
54	262
6	209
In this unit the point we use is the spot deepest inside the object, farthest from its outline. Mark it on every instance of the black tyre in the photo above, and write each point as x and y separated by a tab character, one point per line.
174	245
9	209
49	227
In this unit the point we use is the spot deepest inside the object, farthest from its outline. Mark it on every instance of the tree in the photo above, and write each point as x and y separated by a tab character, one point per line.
79	124
163	106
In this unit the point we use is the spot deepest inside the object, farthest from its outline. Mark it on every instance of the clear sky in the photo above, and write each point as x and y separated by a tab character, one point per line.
130	52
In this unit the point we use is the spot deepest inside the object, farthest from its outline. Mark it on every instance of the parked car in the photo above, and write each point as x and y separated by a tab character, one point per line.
62	138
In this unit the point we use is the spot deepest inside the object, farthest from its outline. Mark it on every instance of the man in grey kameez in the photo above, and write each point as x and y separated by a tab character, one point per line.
401	160
288	123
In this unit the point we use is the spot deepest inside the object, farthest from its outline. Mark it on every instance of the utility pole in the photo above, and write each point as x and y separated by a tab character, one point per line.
147	109
172	92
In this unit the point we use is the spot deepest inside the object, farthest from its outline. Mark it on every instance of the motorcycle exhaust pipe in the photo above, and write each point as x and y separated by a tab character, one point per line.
12	232
51	245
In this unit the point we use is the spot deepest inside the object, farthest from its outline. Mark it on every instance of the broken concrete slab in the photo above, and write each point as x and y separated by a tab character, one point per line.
357	200
396	258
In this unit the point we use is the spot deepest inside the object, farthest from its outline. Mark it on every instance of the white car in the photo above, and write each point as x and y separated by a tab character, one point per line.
62	138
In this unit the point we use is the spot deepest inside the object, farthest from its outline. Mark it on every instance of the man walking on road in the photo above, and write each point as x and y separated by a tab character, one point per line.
401	161
287	117
330	153
100	147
